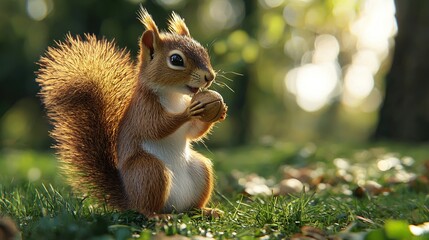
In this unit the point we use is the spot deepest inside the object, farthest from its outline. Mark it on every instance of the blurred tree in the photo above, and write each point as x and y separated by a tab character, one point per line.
295	57
28	27
243	121
404	115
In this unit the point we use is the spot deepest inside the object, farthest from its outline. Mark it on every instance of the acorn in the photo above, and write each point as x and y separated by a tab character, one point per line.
213	105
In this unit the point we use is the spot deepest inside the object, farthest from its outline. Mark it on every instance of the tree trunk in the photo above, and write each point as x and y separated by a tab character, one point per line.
404	115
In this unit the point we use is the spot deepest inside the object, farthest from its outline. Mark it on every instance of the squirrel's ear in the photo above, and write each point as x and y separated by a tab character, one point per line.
176	24
150	39
148	43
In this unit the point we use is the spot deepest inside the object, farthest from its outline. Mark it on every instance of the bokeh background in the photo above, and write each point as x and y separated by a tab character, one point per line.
290	70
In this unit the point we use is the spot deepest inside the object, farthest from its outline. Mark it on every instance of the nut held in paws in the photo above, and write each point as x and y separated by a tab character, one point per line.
213	105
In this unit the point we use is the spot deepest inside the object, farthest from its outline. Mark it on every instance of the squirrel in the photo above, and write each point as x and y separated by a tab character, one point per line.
124	128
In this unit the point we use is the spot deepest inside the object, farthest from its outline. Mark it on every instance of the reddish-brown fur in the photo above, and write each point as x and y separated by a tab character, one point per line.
103	106
152	178
85	95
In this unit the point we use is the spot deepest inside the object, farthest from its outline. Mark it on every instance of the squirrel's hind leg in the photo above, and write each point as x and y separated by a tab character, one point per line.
146	182
203	170
202	173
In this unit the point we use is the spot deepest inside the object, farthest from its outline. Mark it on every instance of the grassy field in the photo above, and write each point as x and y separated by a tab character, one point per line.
339	191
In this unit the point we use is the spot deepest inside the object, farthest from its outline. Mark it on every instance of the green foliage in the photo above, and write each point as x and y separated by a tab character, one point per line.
395	230
253	46
51	211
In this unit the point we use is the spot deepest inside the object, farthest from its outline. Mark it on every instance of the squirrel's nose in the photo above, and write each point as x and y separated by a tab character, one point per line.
209	76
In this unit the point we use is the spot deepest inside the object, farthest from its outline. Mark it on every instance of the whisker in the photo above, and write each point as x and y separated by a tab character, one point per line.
201	141
231	72
222	85
210	46
225	77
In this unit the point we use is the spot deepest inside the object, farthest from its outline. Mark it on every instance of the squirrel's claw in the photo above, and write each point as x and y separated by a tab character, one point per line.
195	109
194	103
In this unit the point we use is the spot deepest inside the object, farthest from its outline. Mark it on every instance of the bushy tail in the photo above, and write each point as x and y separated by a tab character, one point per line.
85	87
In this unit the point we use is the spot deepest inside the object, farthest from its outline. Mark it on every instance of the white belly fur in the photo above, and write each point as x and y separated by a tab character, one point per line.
175	151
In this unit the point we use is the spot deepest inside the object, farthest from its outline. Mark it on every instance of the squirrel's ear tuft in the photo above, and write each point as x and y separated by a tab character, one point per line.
177	25
146	19
150	40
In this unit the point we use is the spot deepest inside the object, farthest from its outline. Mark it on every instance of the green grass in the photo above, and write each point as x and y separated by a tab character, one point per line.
33	194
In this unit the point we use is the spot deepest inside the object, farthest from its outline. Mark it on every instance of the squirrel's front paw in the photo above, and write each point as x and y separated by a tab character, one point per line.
195	109
223	115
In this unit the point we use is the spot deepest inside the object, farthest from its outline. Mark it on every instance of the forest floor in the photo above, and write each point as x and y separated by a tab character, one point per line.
275	191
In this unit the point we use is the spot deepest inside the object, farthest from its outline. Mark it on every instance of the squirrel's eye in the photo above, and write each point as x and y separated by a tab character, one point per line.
176	60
